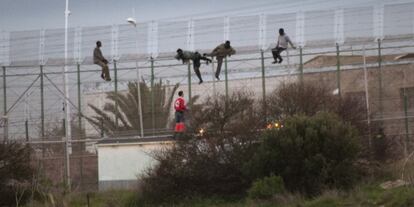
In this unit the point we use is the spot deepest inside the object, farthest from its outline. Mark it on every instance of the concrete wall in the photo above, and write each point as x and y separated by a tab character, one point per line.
394	79
120	164
207	89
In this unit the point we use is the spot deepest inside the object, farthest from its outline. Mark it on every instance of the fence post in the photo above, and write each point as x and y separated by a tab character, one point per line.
152	96
263	84
5	106
116	94
226	77
301	64
67	158
82	144
102	128
338	70
367	98
189	82
42	110
79	101
26	129
380	79
406	145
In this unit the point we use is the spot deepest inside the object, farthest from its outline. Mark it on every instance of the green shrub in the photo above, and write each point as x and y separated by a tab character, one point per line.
266	187
309	153
211	164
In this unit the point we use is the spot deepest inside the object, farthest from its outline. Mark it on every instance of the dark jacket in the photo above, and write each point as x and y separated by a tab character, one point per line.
97	56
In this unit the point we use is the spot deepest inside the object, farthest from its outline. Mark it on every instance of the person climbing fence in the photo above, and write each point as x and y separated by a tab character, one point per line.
281	45
220	52
186	56
99	59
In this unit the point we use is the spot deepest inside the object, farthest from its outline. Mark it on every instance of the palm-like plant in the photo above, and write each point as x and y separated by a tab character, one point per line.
120	115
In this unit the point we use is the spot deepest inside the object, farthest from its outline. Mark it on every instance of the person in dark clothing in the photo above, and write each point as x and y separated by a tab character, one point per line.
220	52
186	56
281	45
99	59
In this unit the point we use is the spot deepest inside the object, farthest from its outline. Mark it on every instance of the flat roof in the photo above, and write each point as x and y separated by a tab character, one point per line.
134	140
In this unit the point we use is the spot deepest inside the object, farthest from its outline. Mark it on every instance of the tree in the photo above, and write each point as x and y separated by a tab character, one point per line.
128	113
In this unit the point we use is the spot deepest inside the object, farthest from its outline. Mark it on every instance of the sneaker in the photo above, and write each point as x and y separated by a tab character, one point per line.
102	76
218	78
201	81
274	62
280	61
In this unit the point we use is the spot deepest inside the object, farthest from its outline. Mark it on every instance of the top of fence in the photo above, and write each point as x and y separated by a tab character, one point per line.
160	39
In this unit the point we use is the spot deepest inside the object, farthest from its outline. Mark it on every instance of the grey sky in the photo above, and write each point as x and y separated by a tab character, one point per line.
36	14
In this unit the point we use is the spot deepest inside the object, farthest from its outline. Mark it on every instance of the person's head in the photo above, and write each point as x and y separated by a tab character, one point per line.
179	51
227	44
180	93
98	44
281	31
179	55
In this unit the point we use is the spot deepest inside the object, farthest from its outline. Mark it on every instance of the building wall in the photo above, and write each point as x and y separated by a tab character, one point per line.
120	165
207	89
394	79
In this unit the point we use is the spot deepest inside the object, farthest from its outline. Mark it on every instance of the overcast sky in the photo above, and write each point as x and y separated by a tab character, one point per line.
36	14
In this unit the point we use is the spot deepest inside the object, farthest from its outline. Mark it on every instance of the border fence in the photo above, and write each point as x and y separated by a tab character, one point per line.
361	51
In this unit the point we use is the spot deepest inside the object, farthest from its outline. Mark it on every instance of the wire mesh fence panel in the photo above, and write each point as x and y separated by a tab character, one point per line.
358	24
276	21
244	31
208	33
398	20
377	73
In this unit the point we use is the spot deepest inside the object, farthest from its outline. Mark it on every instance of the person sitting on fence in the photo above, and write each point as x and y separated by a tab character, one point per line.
282	44
186	56
220	52
180	108
99	59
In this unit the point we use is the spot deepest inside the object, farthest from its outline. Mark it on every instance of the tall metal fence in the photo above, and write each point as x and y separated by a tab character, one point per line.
356	51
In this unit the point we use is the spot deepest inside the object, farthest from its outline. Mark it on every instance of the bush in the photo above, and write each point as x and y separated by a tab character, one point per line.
15	174
266	187
211	164
309	98
309	153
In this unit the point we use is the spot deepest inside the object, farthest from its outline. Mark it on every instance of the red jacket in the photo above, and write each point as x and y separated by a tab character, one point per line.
179	104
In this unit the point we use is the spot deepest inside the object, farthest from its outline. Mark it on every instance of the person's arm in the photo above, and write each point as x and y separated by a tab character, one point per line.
206	59
183	106
99	56
290	42
277	43
215	51
232	51
178	57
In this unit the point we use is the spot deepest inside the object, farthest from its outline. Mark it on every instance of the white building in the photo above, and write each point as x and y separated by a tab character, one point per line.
121	161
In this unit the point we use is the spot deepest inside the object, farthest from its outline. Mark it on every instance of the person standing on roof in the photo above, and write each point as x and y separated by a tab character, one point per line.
281	45
180	108
220	52
186	56
99	59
